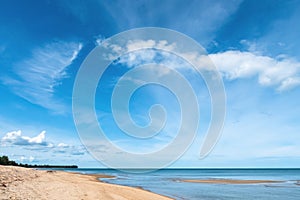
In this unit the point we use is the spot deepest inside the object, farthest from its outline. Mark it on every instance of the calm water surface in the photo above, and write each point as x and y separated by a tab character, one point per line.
166	182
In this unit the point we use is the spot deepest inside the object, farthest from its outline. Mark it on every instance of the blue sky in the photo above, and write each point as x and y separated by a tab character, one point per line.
254	44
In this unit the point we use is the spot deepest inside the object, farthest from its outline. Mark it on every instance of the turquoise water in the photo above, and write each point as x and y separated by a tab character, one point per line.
166	182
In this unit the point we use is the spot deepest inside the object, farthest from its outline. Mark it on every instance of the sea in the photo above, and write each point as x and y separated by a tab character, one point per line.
168	182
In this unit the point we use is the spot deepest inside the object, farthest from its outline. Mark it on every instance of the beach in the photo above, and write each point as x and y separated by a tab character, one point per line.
22	183
84	184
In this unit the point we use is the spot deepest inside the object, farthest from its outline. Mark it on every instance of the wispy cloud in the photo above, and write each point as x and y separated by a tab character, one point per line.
37	76
69	149
196	23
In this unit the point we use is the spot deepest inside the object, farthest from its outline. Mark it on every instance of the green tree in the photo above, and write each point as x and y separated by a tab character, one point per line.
4	160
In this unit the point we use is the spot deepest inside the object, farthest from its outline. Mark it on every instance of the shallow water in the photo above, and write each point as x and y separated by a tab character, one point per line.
166	182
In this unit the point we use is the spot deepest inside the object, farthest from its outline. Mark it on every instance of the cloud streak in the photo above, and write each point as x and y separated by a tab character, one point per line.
196	23
37	76
69	149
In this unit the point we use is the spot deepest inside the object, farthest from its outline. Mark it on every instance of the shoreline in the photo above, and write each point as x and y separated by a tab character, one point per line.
24	183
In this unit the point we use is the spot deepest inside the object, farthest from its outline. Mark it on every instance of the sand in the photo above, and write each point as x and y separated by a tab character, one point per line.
21	183
230	181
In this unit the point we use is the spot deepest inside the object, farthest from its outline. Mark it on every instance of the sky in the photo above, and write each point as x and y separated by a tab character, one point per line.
253	44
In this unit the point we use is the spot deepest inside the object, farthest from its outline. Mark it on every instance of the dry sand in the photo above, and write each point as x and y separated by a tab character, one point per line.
230	181
21	183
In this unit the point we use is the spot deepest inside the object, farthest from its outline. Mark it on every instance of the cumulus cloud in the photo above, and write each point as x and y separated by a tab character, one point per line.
37	76
39	143
16	138
282	72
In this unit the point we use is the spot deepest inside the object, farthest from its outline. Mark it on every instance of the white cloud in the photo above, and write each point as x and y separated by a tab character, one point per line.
62	145
117	50
24	158
38	75
145	52
133	45
39	143
289	83
250	45
69	149
283	73
137	58
99	39
16	138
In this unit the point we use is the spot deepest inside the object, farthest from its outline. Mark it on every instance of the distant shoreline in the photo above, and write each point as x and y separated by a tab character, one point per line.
50	166
5	161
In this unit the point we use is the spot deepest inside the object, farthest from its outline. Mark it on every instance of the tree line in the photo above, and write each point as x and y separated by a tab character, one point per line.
4	160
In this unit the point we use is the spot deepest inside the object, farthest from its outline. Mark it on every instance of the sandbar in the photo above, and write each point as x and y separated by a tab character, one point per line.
229	181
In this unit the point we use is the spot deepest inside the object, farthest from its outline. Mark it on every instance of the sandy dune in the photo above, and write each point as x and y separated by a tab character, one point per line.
21	183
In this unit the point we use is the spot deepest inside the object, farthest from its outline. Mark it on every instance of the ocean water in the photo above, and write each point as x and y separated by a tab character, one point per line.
166	182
